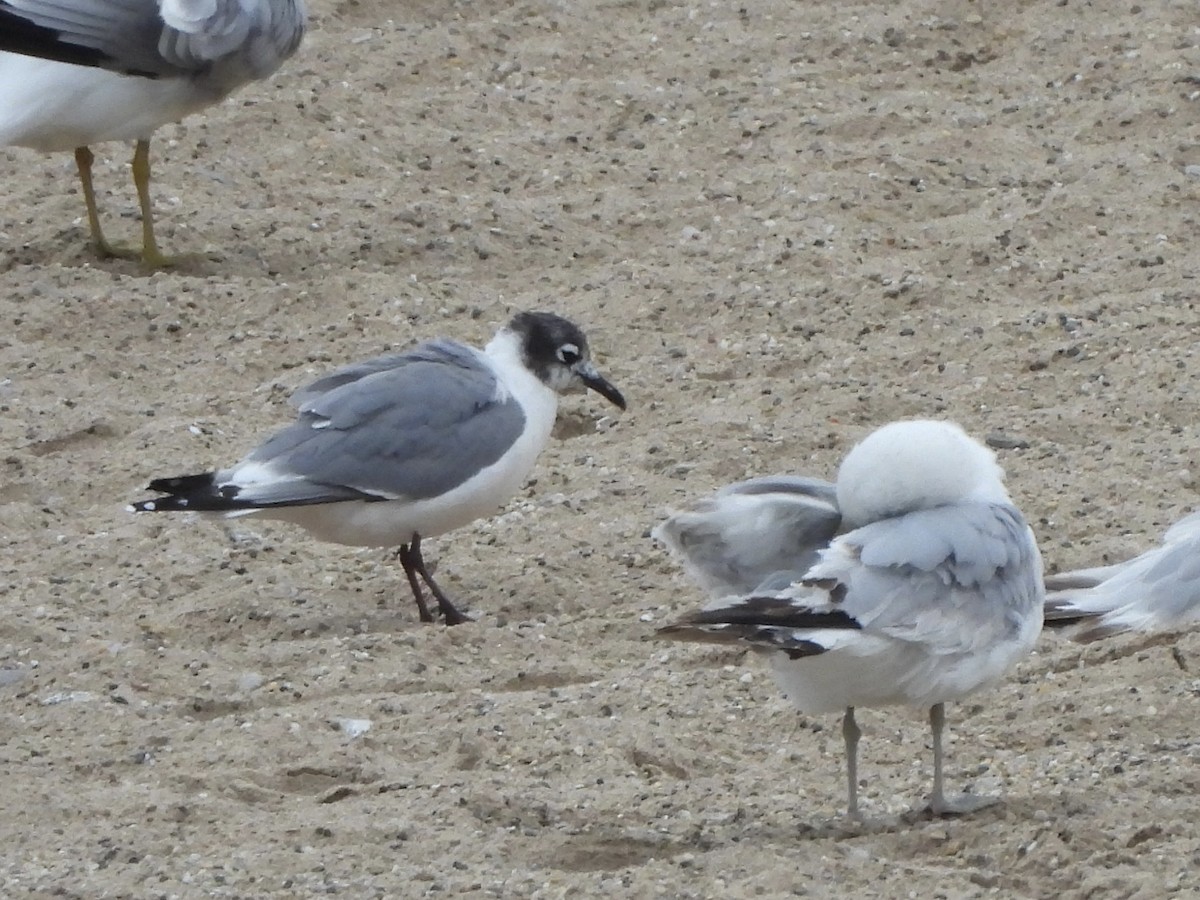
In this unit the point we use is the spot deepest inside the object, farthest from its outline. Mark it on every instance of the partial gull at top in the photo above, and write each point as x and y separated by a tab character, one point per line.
409	445
81	72
933	591
1156	591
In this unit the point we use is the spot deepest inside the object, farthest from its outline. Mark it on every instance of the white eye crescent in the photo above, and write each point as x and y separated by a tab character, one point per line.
568	354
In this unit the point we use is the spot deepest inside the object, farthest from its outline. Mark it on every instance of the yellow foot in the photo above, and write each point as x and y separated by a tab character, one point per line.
151	258
105	250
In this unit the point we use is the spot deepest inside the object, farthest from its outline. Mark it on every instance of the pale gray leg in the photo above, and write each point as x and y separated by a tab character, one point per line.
851	733
937	722
959	804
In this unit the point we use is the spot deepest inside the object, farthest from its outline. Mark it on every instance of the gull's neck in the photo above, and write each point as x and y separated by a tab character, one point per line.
504	352
514	378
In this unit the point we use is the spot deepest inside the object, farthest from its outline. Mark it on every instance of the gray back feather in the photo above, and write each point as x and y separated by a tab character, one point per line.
411	425
959	577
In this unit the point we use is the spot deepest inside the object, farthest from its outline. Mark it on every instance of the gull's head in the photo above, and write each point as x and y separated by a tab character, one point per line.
920	464
556	351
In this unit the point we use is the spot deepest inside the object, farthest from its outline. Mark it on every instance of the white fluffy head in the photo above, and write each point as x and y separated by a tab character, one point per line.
921	464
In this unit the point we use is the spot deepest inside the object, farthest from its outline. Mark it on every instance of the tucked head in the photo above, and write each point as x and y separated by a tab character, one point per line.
920	464
556	351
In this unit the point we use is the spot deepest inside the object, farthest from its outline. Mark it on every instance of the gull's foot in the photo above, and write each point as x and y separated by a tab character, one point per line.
960	804
451	615
150	258
106	250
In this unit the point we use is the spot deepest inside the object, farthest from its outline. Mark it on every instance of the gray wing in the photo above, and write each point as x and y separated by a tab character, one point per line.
249	38
799	485
955	577
1156	591
953	580
441	352
758	534
409	426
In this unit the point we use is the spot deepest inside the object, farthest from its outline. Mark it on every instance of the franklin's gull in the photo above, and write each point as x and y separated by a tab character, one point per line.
80	72
410	445
932	590
1156	591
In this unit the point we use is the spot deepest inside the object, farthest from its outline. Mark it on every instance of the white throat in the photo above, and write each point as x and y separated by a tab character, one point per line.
504	349
515	379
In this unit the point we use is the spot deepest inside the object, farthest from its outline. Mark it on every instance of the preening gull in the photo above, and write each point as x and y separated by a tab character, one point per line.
80	72
396	448
931	591
1156	591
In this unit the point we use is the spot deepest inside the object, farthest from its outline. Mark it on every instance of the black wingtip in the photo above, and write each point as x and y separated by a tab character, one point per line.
773	612
181	484
21	36
1058	613
183	492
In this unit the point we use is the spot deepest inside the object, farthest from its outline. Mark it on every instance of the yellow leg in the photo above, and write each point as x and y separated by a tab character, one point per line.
152	258
148	255
83	162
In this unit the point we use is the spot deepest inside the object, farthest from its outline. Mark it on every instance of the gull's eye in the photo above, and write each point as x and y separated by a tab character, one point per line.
568	354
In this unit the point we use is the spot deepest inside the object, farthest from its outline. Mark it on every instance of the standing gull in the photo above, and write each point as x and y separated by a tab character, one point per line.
1156	591
396	448
932	591
80	72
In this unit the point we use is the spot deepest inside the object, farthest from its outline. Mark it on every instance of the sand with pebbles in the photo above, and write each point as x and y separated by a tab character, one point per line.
782	225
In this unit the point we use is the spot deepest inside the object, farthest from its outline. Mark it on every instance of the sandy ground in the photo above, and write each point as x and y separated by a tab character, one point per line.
782	225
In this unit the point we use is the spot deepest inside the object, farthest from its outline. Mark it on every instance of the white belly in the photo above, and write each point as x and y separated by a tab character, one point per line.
876	671
52	106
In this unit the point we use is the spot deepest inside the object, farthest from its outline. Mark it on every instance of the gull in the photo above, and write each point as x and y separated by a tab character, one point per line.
80	72
930	591
396	448
1154	592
